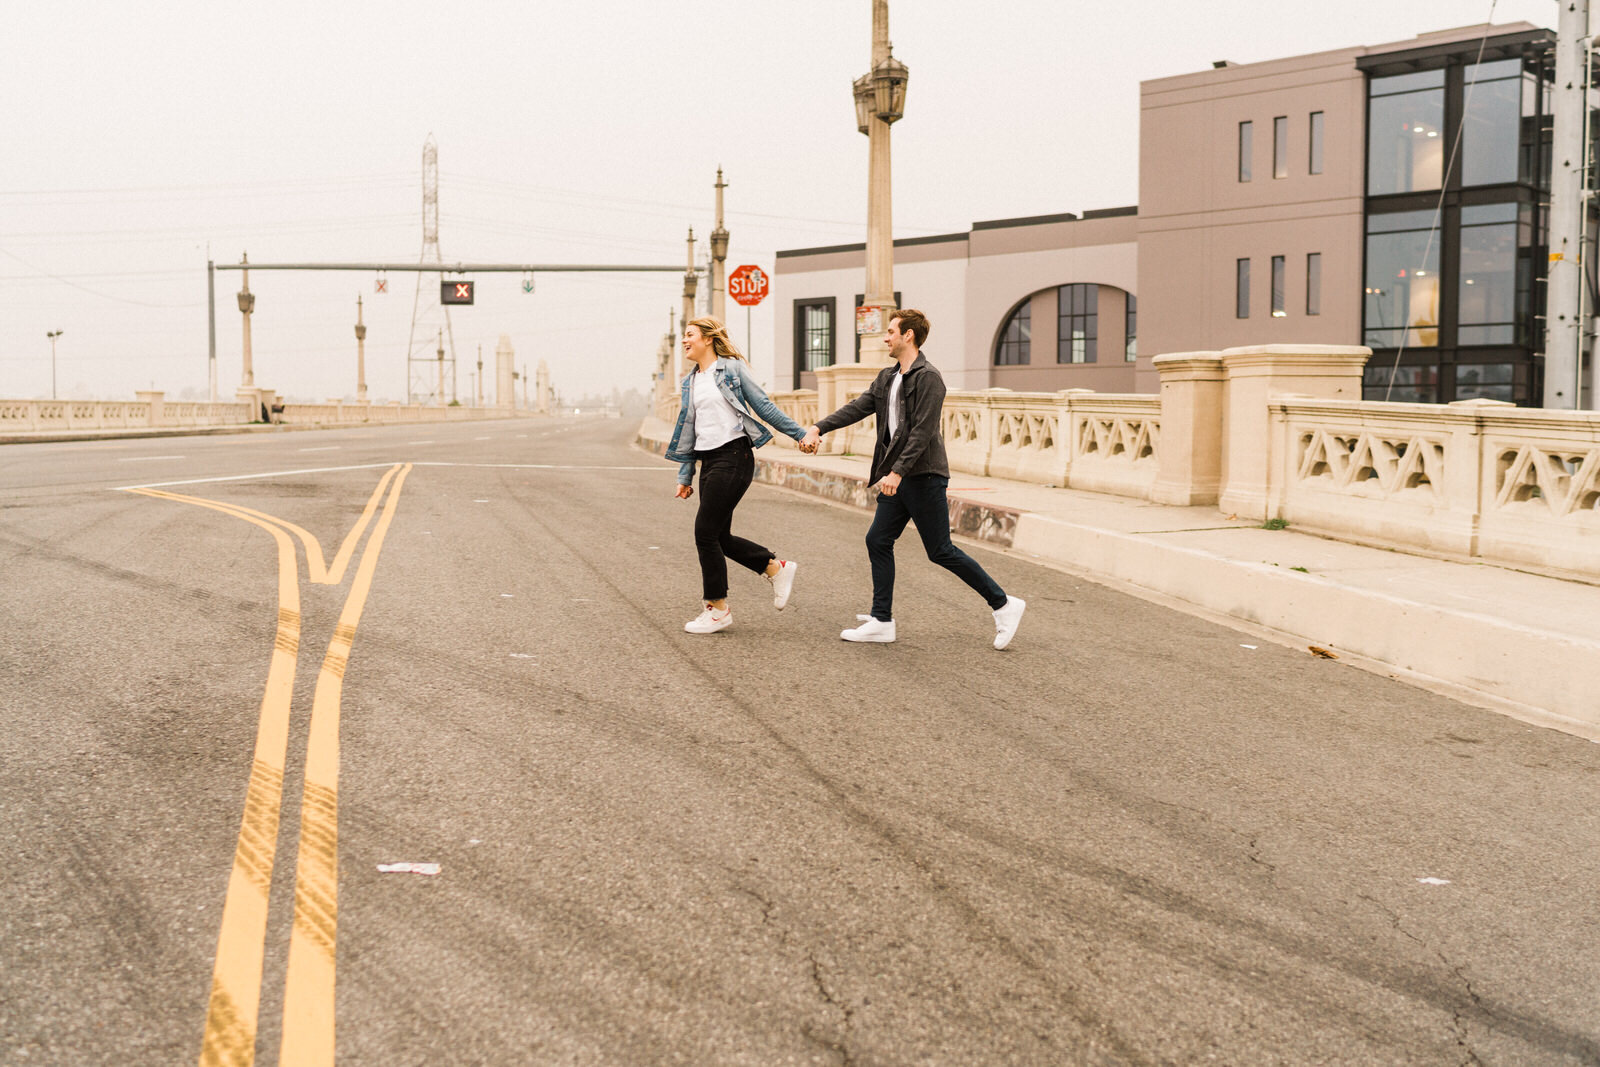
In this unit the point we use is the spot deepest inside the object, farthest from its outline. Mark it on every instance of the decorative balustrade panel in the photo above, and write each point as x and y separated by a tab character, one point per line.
965	425
1116	443
1025	437
1540	488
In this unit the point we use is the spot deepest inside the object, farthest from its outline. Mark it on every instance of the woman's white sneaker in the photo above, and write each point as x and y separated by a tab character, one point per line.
871	631
783	583
709	621
1006	618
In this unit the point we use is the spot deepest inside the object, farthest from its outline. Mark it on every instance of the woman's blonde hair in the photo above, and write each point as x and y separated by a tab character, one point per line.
714	331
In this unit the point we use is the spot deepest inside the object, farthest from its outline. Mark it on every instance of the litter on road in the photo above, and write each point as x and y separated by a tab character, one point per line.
1434	881
409	868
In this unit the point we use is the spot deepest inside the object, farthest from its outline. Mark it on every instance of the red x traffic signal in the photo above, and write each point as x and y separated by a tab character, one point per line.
455	292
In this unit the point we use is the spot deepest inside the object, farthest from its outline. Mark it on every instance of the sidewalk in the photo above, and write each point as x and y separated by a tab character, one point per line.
1519	643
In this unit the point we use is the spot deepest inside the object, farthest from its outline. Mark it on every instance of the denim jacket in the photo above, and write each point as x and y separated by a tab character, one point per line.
739	388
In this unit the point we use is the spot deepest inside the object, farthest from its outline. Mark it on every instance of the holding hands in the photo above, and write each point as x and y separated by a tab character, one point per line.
808	443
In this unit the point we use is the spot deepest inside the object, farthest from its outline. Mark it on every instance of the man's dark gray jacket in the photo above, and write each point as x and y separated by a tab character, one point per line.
917	446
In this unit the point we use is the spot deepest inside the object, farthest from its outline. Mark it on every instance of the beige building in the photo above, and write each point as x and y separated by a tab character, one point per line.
1303	200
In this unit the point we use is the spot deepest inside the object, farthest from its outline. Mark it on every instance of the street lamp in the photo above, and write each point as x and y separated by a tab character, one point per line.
53	334
880	100
889	88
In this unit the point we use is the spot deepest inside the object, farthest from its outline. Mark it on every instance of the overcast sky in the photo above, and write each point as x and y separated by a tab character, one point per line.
135	137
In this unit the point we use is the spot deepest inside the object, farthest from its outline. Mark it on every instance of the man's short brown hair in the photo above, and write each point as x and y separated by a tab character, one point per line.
913	320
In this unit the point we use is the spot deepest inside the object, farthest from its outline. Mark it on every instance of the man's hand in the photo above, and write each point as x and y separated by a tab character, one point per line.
808	443
685	492
890	484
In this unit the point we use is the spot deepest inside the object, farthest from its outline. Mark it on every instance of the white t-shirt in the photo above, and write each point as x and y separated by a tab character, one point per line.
894	403
715	421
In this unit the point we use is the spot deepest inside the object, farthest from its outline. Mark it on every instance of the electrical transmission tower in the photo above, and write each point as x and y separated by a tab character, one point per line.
420	361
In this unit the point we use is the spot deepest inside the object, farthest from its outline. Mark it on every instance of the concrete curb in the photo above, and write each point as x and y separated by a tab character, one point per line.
1538	676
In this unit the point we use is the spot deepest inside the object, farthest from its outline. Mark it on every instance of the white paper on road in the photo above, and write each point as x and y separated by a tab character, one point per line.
409	868
1434	881
1250	647
521	655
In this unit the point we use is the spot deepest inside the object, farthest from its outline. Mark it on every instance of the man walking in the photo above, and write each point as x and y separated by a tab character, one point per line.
912	476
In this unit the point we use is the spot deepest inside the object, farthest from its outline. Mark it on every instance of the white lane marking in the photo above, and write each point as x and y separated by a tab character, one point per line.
419	442
538	466
482	439
248	477
322	448
141	459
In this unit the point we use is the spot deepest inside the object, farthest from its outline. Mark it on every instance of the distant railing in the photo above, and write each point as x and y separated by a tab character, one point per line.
153	411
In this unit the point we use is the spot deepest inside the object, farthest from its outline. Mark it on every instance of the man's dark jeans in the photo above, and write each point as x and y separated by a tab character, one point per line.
725	474
920	499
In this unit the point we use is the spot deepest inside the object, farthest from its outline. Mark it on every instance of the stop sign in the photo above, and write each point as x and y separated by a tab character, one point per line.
748	285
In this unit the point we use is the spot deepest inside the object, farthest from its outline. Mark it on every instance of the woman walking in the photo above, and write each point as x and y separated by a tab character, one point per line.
717	426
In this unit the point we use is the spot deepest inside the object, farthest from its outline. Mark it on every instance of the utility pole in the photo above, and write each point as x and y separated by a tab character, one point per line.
247	304
211	312
1563	317
430	254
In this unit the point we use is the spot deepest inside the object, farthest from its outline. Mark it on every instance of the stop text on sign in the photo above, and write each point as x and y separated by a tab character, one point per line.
748	285
455	292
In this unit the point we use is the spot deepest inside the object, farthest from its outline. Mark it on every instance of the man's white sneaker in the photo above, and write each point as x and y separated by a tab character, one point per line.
871	631
783	583
1006	618
710	621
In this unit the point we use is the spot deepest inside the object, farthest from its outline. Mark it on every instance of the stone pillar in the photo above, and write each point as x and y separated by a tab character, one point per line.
361	355
542	385
247	305
691	282
505	388
719	260
156	398
1191	429
1252	376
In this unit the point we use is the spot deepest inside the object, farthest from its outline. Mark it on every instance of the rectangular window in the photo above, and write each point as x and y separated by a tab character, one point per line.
1079	330
1402	282
1241	295
1313	283
1315	165
1491	301
1278	275
814	322
1016	340
1280	147
1492	129
1405	138
1246	140
1486	381
1131	322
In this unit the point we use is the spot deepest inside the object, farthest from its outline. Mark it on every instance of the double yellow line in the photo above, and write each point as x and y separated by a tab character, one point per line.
308	1010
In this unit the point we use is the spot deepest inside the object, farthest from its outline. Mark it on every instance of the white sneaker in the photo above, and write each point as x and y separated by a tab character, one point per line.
783	583
709	621
871	631
1006	618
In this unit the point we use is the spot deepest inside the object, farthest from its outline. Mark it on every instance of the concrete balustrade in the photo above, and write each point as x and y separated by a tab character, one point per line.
153	411
1281	432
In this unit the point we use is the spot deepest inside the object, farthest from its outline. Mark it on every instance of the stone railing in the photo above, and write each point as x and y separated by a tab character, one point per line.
153	411
1474	478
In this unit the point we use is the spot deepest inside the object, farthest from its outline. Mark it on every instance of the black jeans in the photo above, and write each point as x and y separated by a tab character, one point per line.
920	499
725	473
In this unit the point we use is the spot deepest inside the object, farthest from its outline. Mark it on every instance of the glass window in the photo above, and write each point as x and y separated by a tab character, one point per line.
1241	289
1077	342
816	336
1492	132
1401	303
1402	385
1278	276
1280	147
1313	283
1246	140
1487	381
1131	320
1315	165
1405	140
1490	300
1016	340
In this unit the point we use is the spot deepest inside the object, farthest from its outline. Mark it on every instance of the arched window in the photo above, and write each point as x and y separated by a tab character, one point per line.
1078	341
1016	337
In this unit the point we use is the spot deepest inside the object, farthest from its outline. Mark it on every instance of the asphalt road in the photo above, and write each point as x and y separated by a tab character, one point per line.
1134	837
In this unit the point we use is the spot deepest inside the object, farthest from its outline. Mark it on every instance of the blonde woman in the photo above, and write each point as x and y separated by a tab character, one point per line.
718	428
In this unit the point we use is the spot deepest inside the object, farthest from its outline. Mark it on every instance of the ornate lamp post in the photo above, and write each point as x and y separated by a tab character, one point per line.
719	258
247	304
880	98
53	334
690	283
361	355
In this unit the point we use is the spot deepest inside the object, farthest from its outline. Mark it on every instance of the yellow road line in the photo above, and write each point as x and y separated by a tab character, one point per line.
230	1033
308	1002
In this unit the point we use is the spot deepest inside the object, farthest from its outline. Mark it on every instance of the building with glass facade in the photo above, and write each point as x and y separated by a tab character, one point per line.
1393	196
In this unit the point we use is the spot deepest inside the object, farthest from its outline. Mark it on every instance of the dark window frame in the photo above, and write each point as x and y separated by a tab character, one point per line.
801	350
1241	288
1067	312
1280	286
1280	146
1020	347
1246	149
1313	283
1130	328
1317	125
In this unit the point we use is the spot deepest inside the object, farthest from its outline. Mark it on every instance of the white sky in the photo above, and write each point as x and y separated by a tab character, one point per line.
132	136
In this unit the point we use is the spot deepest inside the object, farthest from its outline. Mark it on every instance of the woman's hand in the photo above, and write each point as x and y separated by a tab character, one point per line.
685	492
